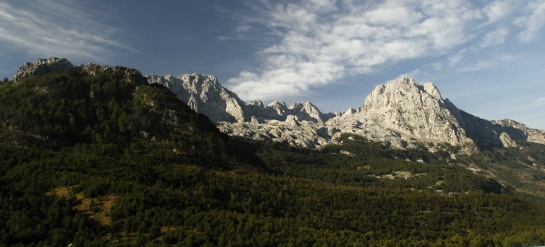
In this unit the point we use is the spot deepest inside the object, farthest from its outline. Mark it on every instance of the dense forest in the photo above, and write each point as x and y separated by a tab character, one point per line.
106	159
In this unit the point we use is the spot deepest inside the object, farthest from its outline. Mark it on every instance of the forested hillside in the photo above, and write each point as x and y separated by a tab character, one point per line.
103	158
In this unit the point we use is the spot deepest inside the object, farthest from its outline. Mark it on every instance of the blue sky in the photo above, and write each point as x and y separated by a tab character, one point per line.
488	57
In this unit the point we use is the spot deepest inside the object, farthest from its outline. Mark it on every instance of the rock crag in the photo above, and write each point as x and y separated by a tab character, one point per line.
204	94
399	113
42	67
60	65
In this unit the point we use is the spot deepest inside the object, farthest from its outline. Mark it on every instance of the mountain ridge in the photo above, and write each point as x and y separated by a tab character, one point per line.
109	106
400	113
97	155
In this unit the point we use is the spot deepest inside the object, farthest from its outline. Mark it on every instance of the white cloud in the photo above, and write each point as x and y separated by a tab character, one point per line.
541	100
495	37
394	16
243	28
498	10
324	41
57	28
533	23
486	63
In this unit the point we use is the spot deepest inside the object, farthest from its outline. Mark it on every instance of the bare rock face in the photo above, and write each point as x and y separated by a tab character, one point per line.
416	110
399	113
300	124
130	74
278	107
292	131
278	110
42	67
307	111
507	141
292	120
204	94
60	65
260	112
519	131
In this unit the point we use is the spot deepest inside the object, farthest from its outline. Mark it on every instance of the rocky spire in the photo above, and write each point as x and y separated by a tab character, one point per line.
306	111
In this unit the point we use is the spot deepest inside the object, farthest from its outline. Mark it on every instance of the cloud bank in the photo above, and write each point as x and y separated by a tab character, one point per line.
57	28
322	41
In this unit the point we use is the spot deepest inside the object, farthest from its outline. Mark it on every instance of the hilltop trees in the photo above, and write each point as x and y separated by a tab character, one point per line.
101	159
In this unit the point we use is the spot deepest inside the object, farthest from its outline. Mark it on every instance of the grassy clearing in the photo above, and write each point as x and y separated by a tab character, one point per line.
97	208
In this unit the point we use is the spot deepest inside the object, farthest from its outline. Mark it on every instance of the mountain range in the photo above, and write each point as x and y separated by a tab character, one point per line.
400	113
101	155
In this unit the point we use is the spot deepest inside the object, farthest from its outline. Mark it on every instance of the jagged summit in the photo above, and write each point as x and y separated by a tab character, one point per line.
400	113
204	94
60	65
520	131
42	67
307	111
400	89
414	110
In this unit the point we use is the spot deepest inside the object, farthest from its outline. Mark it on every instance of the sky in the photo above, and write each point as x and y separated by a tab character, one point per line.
485	56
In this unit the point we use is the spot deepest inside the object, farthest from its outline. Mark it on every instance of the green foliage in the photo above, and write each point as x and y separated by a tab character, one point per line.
111	114
521	168
177	180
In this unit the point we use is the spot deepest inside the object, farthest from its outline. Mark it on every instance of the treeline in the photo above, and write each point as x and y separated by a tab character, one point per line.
359	162
190	205
74	107
101	160
110	113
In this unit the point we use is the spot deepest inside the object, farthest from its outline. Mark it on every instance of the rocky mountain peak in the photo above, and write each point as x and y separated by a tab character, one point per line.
431	89
60	65
130	74
204	94
279	107
399	91
200	83
414	110
519	131
400	113
257	103
42	67
307	111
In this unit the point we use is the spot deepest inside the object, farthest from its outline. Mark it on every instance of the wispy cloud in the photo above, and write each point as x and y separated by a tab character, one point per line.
495	37
320	42
485	63
499	10
58	28
533	23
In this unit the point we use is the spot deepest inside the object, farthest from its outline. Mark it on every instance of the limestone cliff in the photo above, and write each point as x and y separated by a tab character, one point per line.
204	94
520	131
413	110
399	113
